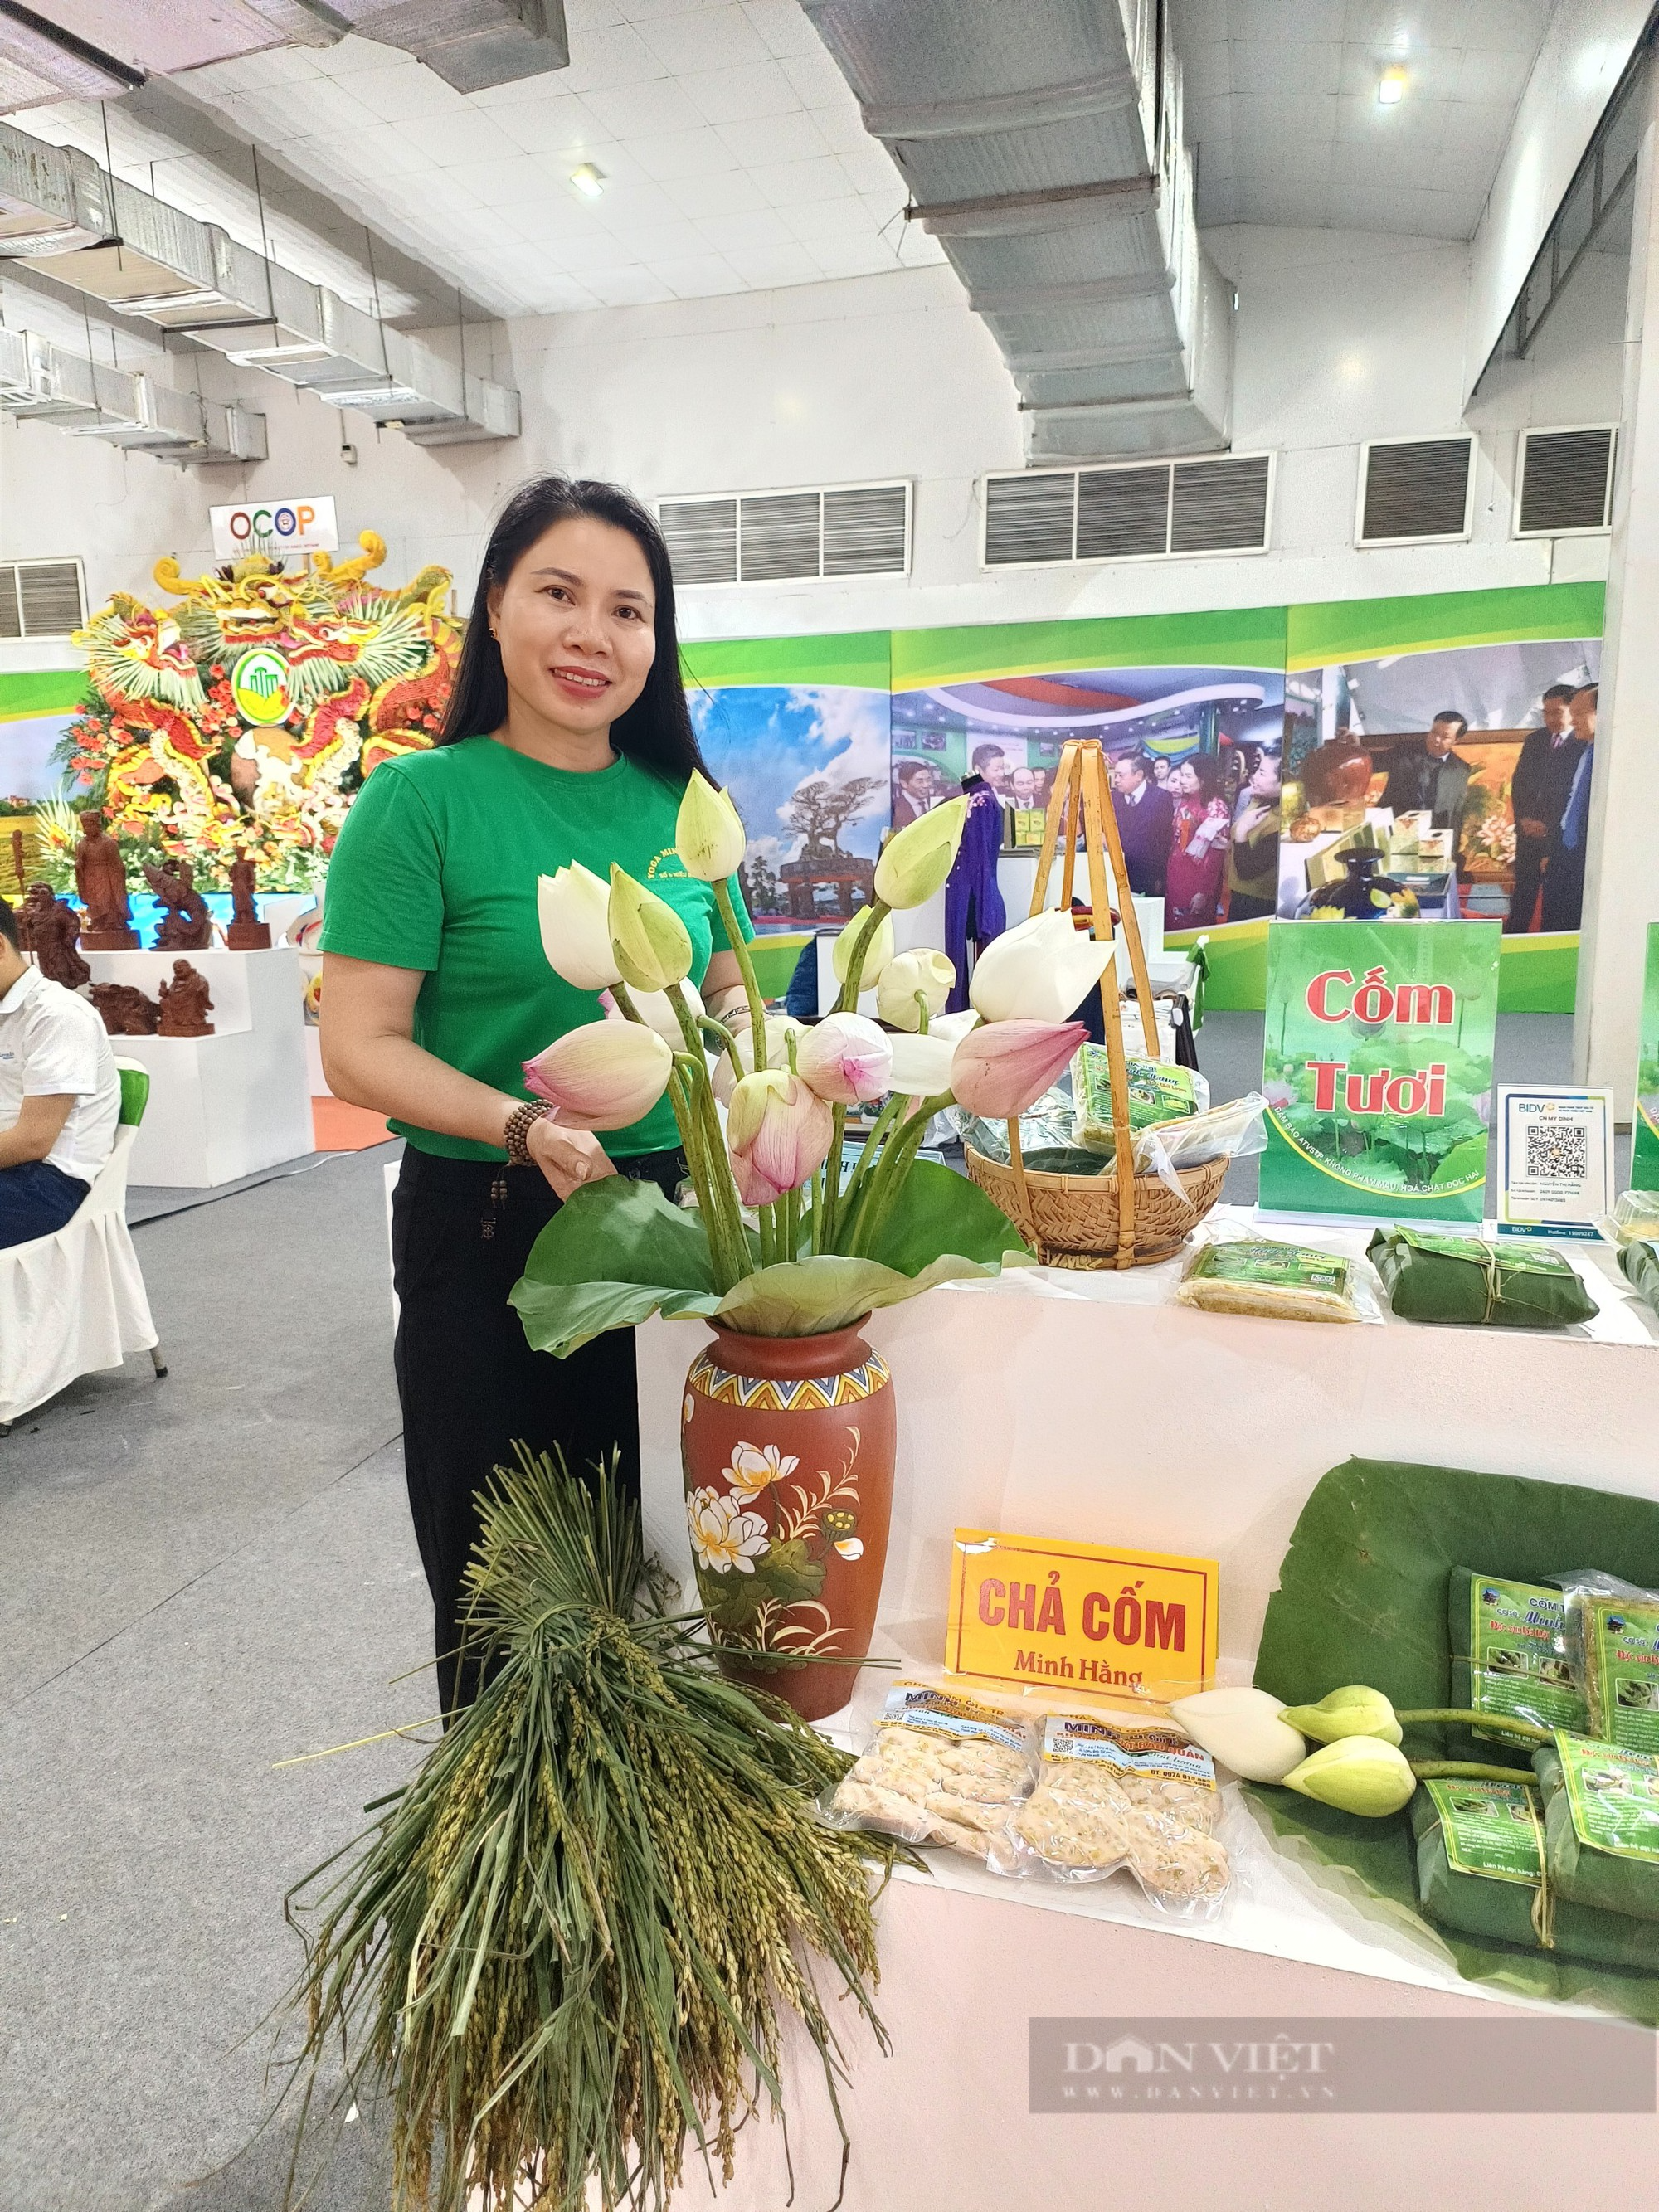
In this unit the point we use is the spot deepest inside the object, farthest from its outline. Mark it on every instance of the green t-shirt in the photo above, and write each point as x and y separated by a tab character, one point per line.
436	868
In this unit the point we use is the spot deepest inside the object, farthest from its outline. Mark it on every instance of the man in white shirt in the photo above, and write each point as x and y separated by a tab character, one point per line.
60	1096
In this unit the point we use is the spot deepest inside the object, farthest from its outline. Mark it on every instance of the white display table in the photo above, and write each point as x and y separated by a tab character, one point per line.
227	1105
1086	1406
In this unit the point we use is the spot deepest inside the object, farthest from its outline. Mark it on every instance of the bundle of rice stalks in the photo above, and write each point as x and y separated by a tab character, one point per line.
565	1950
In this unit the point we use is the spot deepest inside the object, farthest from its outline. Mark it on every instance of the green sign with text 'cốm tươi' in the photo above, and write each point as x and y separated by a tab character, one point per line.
1378	1068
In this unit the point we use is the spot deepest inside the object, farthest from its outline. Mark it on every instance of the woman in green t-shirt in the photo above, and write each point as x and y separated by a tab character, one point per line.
566	739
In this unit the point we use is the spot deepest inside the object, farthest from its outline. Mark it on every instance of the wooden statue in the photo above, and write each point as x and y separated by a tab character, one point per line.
184	1004
48	927
186	927
125	1010
246	934
101	880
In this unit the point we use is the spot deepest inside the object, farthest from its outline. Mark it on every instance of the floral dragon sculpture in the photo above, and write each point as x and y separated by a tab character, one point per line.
249	715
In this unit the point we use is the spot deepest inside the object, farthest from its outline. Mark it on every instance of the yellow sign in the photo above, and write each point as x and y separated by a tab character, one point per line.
1035	1609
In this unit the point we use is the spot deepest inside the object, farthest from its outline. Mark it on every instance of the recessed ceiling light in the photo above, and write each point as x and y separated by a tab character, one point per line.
1392	89
589	181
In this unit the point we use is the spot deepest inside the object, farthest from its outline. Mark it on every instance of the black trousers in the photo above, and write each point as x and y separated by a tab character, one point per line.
470	1386
1564	888
1528	868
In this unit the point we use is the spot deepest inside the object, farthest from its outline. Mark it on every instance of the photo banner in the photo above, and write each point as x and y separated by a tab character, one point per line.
1378	1068
1644	1138
1189	708
1452	734
797	729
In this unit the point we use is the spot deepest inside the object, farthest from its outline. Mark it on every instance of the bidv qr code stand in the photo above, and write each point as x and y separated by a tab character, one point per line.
1087	1406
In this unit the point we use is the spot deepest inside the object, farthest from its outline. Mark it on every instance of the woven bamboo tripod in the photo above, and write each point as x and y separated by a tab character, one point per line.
1080	813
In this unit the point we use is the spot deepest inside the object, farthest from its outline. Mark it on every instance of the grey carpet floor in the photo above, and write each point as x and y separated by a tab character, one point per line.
206	1576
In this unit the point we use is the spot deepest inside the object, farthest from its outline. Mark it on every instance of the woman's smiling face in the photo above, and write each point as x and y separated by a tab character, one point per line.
575	621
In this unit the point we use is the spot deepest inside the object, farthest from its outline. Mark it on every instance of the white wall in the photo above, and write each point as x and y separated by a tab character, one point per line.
1583	52
1340	336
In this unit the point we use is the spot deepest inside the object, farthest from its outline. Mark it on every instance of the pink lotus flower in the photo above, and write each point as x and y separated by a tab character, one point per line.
846	1060
778	1132
602	1076
1002	1068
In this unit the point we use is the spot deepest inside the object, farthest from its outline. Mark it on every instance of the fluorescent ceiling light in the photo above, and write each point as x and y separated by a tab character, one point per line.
1392	89
270	356
589	181
370	397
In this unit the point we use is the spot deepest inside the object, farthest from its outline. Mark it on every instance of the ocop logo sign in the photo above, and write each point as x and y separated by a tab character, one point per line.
277	526
259	684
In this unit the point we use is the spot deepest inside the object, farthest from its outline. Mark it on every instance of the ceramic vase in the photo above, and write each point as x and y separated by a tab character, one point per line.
787	1447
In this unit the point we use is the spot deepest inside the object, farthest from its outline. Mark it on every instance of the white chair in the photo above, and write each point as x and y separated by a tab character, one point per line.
74	1301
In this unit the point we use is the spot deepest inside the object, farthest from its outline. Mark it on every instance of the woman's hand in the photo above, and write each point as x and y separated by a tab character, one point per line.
567	1157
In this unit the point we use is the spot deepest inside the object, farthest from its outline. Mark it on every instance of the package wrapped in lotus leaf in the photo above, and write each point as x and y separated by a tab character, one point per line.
1638	1262
1460	1278
1479	1852
1508	1641
1600	1825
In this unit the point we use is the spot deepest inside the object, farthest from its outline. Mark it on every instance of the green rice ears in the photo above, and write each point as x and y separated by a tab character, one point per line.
566	1949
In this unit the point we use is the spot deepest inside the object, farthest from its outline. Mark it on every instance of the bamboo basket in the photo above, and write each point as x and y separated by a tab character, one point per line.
1071	1221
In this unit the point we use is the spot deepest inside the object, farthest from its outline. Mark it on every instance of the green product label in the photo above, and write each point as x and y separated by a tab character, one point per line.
1621	1645
1524	1261
1285	1267
1158	1091
1378	1067
1645	1141
1613	1794
1518	1657
1489	1828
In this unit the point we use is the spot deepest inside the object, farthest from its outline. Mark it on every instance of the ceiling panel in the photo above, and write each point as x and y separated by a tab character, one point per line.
1281	106
733	154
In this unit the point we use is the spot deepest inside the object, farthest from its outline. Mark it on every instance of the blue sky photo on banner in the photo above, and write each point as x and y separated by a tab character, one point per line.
797	730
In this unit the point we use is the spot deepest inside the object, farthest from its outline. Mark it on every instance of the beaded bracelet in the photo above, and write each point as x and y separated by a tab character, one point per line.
515	1132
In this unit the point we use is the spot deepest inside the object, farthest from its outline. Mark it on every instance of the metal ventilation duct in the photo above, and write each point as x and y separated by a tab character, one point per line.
63	49
470	44
155	262
46	383
1043	146
52	198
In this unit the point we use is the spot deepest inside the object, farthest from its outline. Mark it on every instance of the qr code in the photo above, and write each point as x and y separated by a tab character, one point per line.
1556	1149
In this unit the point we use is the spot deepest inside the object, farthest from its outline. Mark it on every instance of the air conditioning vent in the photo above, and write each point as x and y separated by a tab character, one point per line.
1566	482
1217	506
1414	489
41	598
778	536
843	530
1122	514
701	536
1029	519
1141	511
867	531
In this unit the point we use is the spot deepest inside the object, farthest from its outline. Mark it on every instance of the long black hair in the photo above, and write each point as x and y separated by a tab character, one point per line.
656	731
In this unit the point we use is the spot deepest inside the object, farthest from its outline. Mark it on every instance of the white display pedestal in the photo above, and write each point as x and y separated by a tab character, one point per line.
1084	1405
227	1105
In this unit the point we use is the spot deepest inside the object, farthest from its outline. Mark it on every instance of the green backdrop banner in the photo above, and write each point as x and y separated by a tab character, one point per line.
1378	1068
1232	637
1438	622
26	693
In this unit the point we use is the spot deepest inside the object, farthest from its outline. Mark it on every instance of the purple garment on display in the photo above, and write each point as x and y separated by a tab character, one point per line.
974	912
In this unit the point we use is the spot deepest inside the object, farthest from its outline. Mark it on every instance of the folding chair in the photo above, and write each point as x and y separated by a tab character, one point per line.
74	1301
